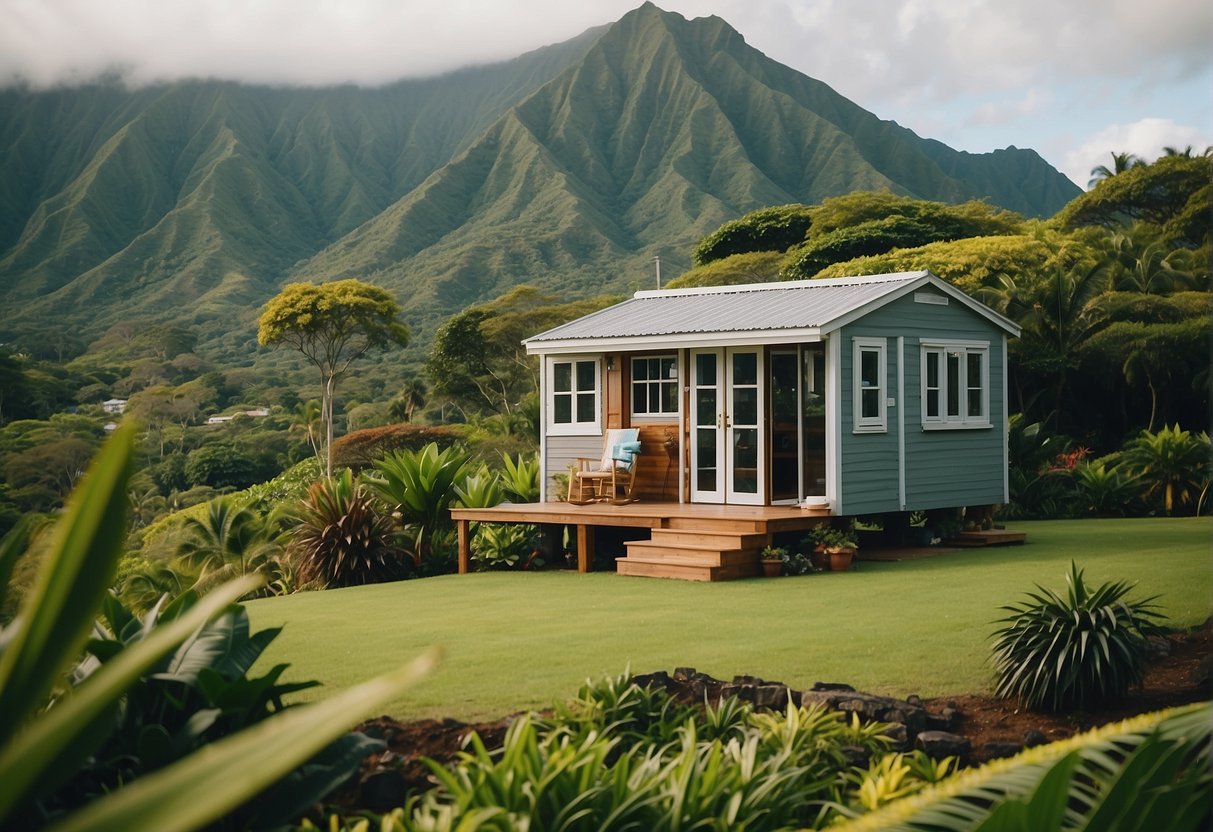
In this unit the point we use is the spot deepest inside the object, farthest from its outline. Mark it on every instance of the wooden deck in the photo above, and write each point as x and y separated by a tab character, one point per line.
689	541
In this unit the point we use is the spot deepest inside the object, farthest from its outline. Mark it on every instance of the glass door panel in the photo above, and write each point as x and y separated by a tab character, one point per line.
785	426
707	447
743	420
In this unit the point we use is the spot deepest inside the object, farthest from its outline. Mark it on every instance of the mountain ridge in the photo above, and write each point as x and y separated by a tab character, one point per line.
569	167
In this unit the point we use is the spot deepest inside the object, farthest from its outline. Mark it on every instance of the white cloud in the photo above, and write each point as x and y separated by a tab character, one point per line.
1145	139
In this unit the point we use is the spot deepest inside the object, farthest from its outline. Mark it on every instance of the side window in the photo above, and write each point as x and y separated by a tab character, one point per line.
870	360
573	390
955	385
654	386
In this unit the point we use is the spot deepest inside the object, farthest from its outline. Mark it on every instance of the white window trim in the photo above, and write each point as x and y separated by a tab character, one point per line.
870	424
961	422
575	428
673	415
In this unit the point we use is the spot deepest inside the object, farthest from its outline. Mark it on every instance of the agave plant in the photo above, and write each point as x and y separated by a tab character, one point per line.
343	538
1058	653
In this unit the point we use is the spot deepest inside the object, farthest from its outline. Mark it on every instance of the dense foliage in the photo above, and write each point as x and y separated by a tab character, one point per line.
1060	653
767	229
152	691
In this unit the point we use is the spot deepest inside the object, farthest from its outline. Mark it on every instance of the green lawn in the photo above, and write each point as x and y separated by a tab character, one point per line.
516	641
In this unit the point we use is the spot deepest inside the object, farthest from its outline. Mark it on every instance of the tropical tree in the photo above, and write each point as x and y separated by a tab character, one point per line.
412	396
332	325
1121	162
230	540
1172	461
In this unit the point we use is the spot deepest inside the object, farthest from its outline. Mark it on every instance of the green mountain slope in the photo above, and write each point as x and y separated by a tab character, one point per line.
569	167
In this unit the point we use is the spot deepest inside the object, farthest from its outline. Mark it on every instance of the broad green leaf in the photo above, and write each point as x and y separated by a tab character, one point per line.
35	749
209	783
58	613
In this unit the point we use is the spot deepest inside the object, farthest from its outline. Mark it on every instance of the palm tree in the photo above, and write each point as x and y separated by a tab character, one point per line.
1148	264
230	540
1175	151
1121	162
411	396
307	420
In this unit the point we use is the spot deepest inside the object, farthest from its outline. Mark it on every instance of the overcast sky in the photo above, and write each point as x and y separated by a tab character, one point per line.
1072	79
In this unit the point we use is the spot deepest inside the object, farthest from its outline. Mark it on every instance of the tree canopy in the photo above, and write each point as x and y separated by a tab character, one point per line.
767	229
332	324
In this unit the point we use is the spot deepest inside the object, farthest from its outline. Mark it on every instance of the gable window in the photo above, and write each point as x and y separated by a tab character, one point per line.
573	389
654	386
955	384
870	373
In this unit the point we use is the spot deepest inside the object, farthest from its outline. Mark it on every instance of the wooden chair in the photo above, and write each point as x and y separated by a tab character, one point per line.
601	480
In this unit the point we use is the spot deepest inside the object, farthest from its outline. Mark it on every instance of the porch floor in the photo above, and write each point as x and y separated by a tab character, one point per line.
690	541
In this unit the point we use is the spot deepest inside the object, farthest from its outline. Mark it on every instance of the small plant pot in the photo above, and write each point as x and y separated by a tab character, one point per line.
771	568
840	559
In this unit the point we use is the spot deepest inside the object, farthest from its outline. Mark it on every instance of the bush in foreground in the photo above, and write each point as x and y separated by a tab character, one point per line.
1060	653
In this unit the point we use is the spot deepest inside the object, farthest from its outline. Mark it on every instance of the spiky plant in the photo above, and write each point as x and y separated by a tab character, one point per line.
343	538
1058	653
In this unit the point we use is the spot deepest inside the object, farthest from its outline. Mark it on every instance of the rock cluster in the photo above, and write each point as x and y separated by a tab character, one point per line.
911	724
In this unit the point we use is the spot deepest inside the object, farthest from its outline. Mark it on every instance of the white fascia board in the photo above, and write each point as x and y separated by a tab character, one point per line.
693	340
927	279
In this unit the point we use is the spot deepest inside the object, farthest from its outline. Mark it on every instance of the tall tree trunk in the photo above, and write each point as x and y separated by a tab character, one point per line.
327	414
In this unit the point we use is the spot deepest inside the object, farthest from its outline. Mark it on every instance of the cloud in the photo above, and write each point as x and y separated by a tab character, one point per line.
1145	139
1001	112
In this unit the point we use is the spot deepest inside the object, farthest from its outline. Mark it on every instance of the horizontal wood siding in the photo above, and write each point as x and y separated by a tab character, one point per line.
561	453
868	460
943	467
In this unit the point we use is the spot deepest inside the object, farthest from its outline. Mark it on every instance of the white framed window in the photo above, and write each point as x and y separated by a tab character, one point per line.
869	357
574	386
955	384
654	386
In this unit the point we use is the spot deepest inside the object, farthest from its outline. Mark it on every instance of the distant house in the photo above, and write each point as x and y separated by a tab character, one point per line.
860	394
113	405
255	413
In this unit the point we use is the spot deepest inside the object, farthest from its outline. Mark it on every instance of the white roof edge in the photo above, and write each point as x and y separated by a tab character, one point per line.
676	341
857	280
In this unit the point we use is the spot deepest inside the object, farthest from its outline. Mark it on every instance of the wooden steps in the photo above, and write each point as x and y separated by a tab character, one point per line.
706	550
988	537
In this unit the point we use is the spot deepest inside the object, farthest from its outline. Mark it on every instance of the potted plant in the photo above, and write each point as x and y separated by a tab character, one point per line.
841	546
772	561
814	546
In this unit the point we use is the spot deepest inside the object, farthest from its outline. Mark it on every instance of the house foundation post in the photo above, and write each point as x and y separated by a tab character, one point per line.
585	548
465	549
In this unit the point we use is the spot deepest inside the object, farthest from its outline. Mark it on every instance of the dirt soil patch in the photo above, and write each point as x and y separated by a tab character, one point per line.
1178	674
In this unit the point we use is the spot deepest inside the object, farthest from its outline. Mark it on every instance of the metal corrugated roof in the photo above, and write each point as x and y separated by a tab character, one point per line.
803	304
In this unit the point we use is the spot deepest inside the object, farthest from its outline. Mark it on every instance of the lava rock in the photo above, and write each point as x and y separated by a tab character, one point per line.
856	755
940	744
684	674
382	791
1033	738
995	750
831	686
899	735
659	680
774	697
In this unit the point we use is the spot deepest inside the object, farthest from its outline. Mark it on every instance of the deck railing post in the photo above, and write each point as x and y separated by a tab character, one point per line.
465	549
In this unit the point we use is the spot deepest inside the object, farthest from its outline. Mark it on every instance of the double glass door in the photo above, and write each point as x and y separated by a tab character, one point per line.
727	458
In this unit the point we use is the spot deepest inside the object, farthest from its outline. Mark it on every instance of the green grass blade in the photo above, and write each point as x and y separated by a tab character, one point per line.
58	613
34	750
209	783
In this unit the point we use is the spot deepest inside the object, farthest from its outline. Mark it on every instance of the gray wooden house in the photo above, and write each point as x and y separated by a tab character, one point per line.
859	394
763	409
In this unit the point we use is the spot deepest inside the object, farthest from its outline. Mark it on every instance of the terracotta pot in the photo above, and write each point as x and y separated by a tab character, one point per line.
840	560
772	568
819	558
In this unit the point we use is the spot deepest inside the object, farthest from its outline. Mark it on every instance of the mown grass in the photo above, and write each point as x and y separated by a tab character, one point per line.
517	641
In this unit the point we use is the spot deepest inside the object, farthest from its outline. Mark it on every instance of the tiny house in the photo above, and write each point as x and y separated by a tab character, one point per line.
860	395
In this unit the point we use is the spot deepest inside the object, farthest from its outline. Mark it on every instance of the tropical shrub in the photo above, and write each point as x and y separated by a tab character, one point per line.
343	538
361	448
1105	490
1058	653
521	479
420	485
231	539
43	740
505	546
1149	772
1174	463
